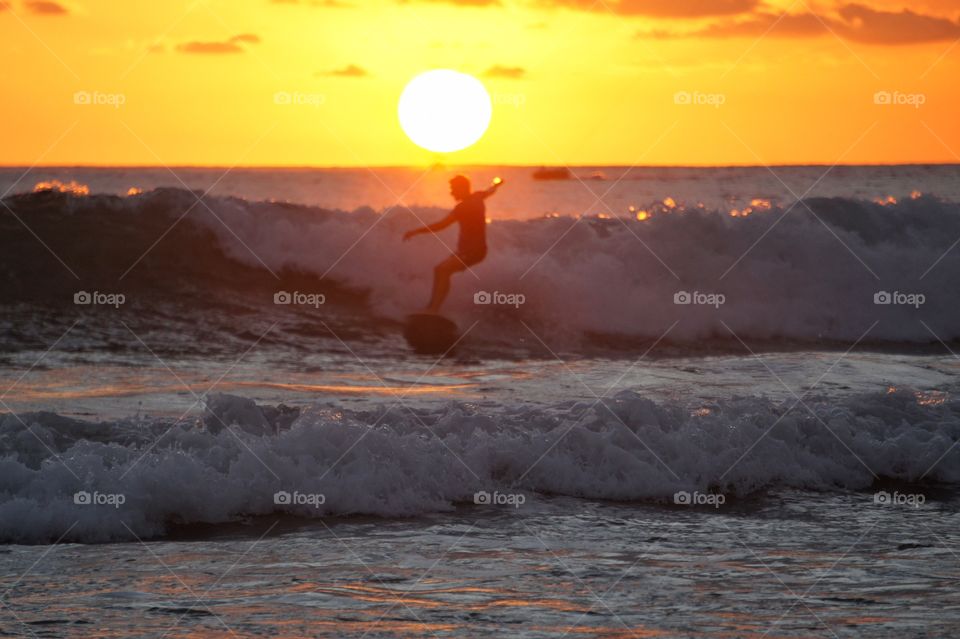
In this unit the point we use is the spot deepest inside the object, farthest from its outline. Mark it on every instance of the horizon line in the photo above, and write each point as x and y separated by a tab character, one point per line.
316	167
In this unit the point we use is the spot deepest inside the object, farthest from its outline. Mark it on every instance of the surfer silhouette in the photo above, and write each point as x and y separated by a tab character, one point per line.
470	213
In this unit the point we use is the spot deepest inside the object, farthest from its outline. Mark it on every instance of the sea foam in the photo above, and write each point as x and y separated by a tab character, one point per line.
393	461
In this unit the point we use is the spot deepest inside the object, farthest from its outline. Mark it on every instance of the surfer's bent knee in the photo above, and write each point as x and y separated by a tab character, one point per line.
465	260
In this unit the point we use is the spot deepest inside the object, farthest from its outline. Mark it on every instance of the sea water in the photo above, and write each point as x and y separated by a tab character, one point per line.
705	419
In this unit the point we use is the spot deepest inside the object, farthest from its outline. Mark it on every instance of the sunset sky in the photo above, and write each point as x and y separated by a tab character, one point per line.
574	82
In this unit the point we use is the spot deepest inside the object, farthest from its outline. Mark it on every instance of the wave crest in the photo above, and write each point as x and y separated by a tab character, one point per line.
809	272
392	462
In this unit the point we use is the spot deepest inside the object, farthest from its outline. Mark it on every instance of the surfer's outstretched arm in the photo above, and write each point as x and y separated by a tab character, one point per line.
493	189
432	228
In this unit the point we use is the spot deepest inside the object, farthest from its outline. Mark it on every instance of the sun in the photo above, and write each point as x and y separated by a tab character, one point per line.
444	110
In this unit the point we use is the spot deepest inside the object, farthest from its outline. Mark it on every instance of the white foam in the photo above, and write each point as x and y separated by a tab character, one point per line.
392	463
785	274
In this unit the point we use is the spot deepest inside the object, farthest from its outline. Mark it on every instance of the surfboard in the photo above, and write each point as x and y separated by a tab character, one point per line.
430	334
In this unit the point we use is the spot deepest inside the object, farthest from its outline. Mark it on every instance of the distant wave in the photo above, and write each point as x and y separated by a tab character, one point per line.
389	462
807	274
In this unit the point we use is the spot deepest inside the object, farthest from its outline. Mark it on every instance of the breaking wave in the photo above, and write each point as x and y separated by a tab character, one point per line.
391	462
807	273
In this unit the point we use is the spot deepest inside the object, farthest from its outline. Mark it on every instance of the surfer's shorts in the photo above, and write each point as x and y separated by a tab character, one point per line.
466	259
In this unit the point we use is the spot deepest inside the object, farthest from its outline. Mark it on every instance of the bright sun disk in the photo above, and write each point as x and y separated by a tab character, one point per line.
444	110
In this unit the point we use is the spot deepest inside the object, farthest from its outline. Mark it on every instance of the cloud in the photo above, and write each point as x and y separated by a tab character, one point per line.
661	8
497	71
864	24
45	8
797	25
209	47
855	22
233	45
252	38
349	71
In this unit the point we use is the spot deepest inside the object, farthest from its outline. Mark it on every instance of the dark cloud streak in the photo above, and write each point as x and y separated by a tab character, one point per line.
349	71
854	22
45	8
660	8
513	73
864	24
233	45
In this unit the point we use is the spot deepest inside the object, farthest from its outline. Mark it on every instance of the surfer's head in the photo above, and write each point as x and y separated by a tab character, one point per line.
460	187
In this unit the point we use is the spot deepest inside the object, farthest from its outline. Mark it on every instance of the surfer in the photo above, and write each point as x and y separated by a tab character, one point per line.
470	213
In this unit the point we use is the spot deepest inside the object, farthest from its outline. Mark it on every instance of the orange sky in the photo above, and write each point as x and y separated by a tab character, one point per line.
575	82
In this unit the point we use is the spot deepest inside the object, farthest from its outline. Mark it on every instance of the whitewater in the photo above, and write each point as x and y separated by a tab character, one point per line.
820	270
396	461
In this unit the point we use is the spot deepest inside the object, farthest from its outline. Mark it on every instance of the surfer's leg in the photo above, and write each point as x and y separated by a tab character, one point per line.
441	281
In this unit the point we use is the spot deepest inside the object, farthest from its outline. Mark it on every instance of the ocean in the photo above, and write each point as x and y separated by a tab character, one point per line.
685	402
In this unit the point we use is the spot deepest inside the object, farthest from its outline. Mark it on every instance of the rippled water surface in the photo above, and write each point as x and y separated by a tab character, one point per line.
792	564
